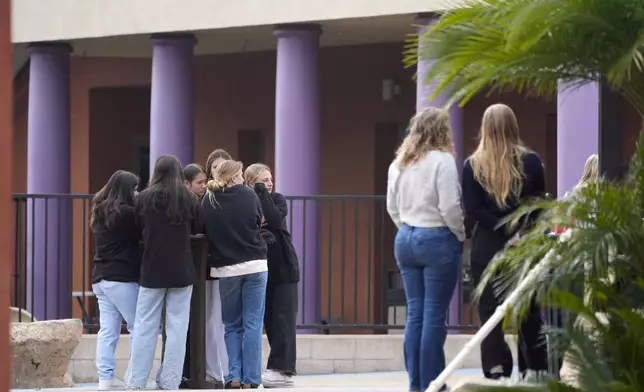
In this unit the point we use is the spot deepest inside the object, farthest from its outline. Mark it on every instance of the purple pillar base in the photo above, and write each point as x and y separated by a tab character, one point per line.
49	259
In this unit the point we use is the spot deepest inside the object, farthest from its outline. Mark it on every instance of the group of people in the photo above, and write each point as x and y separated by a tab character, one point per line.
143	268
432	212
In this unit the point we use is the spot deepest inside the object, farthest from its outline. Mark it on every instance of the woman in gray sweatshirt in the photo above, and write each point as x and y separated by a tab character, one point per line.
424	201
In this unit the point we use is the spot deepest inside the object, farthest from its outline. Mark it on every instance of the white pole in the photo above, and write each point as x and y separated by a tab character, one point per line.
496	318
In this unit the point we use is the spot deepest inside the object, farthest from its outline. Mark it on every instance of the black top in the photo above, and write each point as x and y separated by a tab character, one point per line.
232	226
283	266
117	257
167	256
480	206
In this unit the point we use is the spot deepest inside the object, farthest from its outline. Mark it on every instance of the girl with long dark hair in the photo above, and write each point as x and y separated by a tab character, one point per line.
168	213
117	262
280	317
233	218
498	177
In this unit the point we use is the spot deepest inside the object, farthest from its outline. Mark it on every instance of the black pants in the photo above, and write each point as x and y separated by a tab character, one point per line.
494	349
280	321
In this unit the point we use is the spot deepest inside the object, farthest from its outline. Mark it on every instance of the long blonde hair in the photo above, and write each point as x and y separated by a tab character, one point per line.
224	175
591	172
252	172
497	162
429	130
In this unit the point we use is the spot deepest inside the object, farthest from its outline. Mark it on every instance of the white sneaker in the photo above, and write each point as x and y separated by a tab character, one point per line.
105	385
276	379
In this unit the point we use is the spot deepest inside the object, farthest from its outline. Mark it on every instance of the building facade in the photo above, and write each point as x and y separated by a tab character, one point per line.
315	89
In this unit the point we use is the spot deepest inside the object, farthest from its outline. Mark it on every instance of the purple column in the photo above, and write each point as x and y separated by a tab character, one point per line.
49	230
424	92
577	132
172	101
297	151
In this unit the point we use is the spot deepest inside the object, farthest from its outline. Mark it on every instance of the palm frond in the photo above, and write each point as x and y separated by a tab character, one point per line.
532	45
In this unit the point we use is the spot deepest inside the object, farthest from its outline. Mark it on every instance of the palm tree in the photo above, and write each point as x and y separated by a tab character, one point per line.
532	46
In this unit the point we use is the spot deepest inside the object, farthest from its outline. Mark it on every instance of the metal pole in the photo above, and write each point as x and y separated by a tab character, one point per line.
6	173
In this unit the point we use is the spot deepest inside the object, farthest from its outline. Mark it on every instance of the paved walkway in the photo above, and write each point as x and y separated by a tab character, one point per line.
376	382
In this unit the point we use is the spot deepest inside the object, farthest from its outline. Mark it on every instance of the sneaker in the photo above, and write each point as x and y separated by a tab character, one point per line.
497	372
106	385
276	379
250	386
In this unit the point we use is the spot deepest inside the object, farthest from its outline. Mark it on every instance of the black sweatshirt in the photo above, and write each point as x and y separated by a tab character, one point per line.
480	206
283	266
233	226
167	257
117	256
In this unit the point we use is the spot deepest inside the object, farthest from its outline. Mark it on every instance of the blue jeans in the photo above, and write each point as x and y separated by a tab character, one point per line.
116	301
243	299
429	262
145	336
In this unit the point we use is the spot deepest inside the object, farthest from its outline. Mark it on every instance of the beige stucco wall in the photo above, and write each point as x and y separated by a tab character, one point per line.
45	20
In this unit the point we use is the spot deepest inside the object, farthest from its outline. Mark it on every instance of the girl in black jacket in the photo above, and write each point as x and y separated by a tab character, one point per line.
233	218
283	277
117	264
168	214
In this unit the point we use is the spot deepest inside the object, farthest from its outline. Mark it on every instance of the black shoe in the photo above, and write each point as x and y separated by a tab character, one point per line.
250	386
184	384
233	385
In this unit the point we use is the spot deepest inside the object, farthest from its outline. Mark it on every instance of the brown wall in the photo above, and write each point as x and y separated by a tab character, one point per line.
110	118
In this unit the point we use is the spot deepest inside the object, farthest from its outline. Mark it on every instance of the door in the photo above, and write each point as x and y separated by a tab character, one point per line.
386	282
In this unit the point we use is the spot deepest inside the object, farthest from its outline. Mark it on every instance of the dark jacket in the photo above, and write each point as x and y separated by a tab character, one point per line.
283	266
482	210
167	257
232	226
117	257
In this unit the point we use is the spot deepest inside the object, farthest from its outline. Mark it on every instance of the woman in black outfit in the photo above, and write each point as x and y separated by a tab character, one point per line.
233	218
117	264
168	214
283	276
500	175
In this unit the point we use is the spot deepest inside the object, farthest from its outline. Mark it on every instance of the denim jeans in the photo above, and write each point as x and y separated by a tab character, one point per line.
146	336
429	262
243	300
116	301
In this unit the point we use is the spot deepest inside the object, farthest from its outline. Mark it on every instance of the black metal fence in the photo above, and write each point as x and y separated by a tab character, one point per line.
349	280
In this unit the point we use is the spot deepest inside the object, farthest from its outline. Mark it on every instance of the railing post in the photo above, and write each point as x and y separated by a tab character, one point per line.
197	333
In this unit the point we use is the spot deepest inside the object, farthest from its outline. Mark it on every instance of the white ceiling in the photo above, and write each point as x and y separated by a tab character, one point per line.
257	38
343	32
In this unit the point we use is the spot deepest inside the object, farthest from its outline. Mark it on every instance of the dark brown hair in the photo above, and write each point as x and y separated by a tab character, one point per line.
117	192
167	192
193	170
218	153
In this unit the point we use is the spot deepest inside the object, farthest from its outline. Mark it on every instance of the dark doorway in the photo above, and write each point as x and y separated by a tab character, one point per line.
387	138
119	125
251	146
